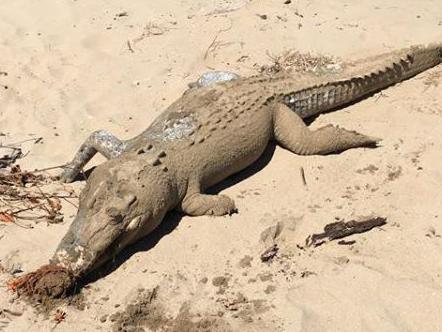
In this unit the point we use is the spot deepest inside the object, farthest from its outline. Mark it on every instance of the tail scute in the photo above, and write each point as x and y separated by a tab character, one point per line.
324	97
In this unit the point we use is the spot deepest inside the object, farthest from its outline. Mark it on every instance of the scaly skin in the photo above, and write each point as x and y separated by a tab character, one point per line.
205	136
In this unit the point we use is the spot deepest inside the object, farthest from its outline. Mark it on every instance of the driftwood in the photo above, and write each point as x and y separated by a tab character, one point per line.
341	229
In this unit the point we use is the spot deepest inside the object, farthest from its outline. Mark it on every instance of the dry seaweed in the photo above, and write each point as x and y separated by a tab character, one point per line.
21	197
293	60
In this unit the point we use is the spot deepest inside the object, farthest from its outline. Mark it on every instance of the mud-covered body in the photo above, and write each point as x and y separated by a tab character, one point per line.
206	135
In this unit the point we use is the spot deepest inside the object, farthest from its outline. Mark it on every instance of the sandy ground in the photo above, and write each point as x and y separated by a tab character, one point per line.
77	66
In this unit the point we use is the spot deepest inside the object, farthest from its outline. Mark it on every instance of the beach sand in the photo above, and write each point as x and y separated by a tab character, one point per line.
77	66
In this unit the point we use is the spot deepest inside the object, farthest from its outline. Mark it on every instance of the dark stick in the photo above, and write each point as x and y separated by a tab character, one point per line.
341	229
301	170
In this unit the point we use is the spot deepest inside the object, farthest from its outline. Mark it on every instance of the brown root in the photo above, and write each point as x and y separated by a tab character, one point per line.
48	282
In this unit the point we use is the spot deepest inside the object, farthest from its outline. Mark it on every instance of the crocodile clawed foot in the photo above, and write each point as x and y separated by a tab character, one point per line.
68	175
211	205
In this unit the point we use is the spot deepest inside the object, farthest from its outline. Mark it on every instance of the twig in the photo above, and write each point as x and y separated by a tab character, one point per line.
380	94
65	199
22	226
13	313
301	170
209	49
129	46
206	54
37	139
42	169
26	209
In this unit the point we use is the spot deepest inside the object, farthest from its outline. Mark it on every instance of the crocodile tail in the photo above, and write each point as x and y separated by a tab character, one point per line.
321	98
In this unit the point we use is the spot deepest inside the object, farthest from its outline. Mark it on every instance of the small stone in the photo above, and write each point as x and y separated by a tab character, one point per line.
270	289
341	260
220	281
269	253
265	276
246	261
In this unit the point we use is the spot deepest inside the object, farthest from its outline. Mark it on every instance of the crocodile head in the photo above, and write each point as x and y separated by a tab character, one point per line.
124	199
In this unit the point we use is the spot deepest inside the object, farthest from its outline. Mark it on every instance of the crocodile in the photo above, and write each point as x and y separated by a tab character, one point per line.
215	129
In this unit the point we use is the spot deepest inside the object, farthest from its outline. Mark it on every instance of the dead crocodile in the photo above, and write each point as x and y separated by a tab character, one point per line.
208	134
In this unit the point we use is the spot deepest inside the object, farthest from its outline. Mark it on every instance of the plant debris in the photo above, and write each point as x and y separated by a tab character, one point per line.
21	197
293	60
59	316
341	229
11	157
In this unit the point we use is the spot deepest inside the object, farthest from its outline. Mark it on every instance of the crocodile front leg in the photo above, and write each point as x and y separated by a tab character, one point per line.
196	203
99	141
199	204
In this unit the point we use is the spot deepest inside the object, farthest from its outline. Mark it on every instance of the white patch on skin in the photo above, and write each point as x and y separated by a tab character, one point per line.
178	128
213	77
134	223
96	190
62	256
65	260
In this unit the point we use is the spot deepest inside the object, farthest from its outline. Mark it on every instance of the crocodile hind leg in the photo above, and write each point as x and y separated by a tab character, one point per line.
292	133
99	141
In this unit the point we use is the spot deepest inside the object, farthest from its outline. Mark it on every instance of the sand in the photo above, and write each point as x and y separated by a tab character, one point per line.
77	66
